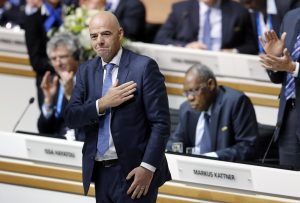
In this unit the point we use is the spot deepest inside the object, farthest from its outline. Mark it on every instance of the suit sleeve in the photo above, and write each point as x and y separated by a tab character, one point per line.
80	113
157	112
249	45
133	19
36	45
46	125
167	33
245	132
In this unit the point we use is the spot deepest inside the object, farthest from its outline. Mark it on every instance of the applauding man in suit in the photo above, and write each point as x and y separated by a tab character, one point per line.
64	52
120	102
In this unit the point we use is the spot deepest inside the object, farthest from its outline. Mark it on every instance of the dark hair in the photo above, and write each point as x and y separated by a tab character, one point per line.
203	72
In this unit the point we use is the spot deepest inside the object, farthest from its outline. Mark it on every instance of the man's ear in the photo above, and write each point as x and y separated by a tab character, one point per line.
121	33
211	85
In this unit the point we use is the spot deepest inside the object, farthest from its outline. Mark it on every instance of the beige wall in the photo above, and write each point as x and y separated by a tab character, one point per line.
157	11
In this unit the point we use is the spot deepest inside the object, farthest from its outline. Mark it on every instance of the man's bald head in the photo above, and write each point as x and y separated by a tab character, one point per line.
106	35
105	18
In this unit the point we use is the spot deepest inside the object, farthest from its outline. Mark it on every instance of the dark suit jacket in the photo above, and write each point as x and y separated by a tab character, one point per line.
56	126
140	127
132	17
36	41
291	25
182	26
233	126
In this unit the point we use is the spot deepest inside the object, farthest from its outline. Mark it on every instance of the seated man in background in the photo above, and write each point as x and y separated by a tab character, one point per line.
131	15
215	121
210	25
63	50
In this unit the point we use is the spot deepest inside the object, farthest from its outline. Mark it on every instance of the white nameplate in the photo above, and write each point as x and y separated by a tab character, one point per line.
211	174
54	152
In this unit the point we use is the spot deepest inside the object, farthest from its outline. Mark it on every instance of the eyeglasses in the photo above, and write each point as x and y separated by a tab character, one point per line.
194	92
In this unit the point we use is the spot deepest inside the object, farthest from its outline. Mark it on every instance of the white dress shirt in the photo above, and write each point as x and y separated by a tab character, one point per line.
215	22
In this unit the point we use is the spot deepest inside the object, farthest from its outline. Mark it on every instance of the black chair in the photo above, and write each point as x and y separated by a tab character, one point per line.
264	139
150	32
174	114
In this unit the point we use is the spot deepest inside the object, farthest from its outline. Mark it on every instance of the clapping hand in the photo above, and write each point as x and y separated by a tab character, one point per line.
67	80
274	63
49	86
272	44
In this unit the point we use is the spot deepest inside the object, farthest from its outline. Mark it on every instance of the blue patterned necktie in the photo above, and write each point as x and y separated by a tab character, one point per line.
290	81
104	122
206	30
205	143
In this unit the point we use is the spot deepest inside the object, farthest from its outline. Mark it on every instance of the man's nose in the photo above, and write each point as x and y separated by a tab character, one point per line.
100	39
190	97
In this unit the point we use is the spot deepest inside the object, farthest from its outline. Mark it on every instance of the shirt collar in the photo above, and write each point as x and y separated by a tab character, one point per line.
44	10
208	112
116	59
217	5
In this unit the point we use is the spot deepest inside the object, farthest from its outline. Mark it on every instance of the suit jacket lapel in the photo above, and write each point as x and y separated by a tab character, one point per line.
98	77
123	66
123	70
194	17
119	8
215	115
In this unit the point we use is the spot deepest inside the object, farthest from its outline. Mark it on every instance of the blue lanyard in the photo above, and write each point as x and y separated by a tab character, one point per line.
59	101
259	31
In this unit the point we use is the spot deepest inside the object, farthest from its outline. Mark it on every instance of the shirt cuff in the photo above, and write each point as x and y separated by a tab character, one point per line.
97	108
47	110
211	154
296	71
148	166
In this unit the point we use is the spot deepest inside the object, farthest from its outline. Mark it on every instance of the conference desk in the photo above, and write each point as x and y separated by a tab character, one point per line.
194	173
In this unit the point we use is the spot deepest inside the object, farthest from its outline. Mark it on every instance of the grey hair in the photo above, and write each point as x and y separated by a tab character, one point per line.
203	72
65	39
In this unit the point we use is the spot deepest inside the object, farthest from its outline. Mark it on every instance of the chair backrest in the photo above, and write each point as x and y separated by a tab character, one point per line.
174	114
265	134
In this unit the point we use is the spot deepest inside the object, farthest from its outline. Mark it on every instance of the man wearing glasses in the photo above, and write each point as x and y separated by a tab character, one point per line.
215	121
63	50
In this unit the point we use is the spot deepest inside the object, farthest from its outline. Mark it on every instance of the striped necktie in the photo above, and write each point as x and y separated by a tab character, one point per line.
290	81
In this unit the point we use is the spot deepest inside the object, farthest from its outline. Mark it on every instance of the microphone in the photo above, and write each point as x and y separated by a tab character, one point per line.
268	148
31	100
